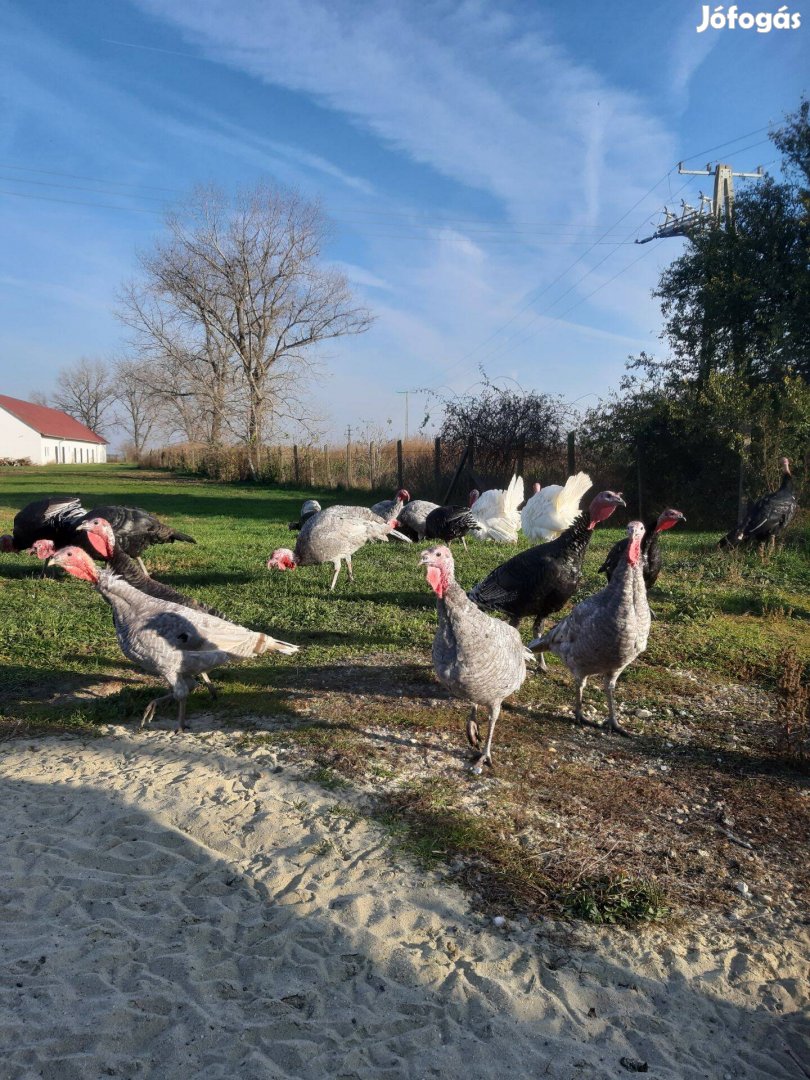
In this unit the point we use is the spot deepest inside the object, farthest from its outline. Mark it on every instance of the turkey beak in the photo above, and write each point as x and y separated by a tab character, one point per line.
424	558
83	526
682	517
620	501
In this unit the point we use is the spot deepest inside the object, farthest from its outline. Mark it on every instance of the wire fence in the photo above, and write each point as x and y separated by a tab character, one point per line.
711	492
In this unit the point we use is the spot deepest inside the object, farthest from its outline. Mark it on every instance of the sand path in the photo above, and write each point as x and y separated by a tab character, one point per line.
176	907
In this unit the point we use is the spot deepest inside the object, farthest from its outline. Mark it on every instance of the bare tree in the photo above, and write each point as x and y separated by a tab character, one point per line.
139	410
85	390
237	290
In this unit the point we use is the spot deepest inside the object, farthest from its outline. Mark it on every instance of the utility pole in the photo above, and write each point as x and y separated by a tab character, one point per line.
406	393
719	208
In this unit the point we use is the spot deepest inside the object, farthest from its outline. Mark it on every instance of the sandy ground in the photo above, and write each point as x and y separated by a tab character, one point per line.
176	906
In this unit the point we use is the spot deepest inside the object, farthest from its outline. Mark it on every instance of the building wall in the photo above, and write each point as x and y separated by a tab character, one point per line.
18	440
70	452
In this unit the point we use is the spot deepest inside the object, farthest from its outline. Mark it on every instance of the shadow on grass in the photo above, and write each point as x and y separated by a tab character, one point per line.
421	601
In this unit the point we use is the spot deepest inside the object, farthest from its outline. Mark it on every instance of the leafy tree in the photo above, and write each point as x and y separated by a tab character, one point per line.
737	301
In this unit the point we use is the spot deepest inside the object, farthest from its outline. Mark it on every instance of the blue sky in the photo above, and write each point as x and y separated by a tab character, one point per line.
486	166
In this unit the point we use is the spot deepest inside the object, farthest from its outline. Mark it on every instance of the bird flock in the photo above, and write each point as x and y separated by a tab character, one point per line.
478	657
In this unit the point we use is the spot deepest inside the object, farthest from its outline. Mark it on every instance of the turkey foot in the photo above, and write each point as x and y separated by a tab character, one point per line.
151	708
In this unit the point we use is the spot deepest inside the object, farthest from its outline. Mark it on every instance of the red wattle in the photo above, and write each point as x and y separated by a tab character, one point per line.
98	544
435	580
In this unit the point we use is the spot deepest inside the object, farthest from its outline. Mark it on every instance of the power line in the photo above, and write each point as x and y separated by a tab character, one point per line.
78	187
77	202
533	299
95	179
495	354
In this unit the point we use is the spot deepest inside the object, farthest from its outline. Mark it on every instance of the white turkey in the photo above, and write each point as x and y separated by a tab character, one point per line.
552	509
607	631
496	511
175	642
479	659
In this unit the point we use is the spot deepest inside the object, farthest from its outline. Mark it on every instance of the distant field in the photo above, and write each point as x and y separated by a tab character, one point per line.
566	809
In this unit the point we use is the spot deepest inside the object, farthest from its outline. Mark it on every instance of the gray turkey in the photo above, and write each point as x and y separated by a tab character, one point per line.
607	631
650	549
172	641
477	658
413	517
390	508
770	515
334	535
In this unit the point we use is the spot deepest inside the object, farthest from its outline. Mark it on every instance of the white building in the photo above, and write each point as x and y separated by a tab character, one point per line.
46	436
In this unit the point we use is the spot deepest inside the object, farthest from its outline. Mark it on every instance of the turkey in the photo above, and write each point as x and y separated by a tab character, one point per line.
136	530
552	509
368	514
650	551
175	642
308	508
769	516
331	536
477	658
607	631
56	519
540	580
389	508
450	523
413	517
496	512
101	538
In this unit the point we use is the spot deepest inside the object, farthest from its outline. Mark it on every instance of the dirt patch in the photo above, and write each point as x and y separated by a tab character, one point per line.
699	802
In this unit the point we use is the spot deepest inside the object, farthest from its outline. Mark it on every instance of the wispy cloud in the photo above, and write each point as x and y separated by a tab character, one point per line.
483	98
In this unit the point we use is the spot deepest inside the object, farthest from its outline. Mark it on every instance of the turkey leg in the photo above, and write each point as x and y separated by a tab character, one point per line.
486	757
613	723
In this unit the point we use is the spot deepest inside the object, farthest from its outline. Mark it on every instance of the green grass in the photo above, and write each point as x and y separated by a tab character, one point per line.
360	703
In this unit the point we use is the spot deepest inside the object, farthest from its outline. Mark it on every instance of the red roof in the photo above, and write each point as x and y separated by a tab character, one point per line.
47	421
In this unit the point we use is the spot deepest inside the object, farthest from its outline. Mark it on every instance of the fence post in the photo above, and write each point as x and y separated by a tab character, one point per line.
348	463
400	466
521	457
638	481
572	454
465	455
437	462
296	467
327	466
371	464
310	468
